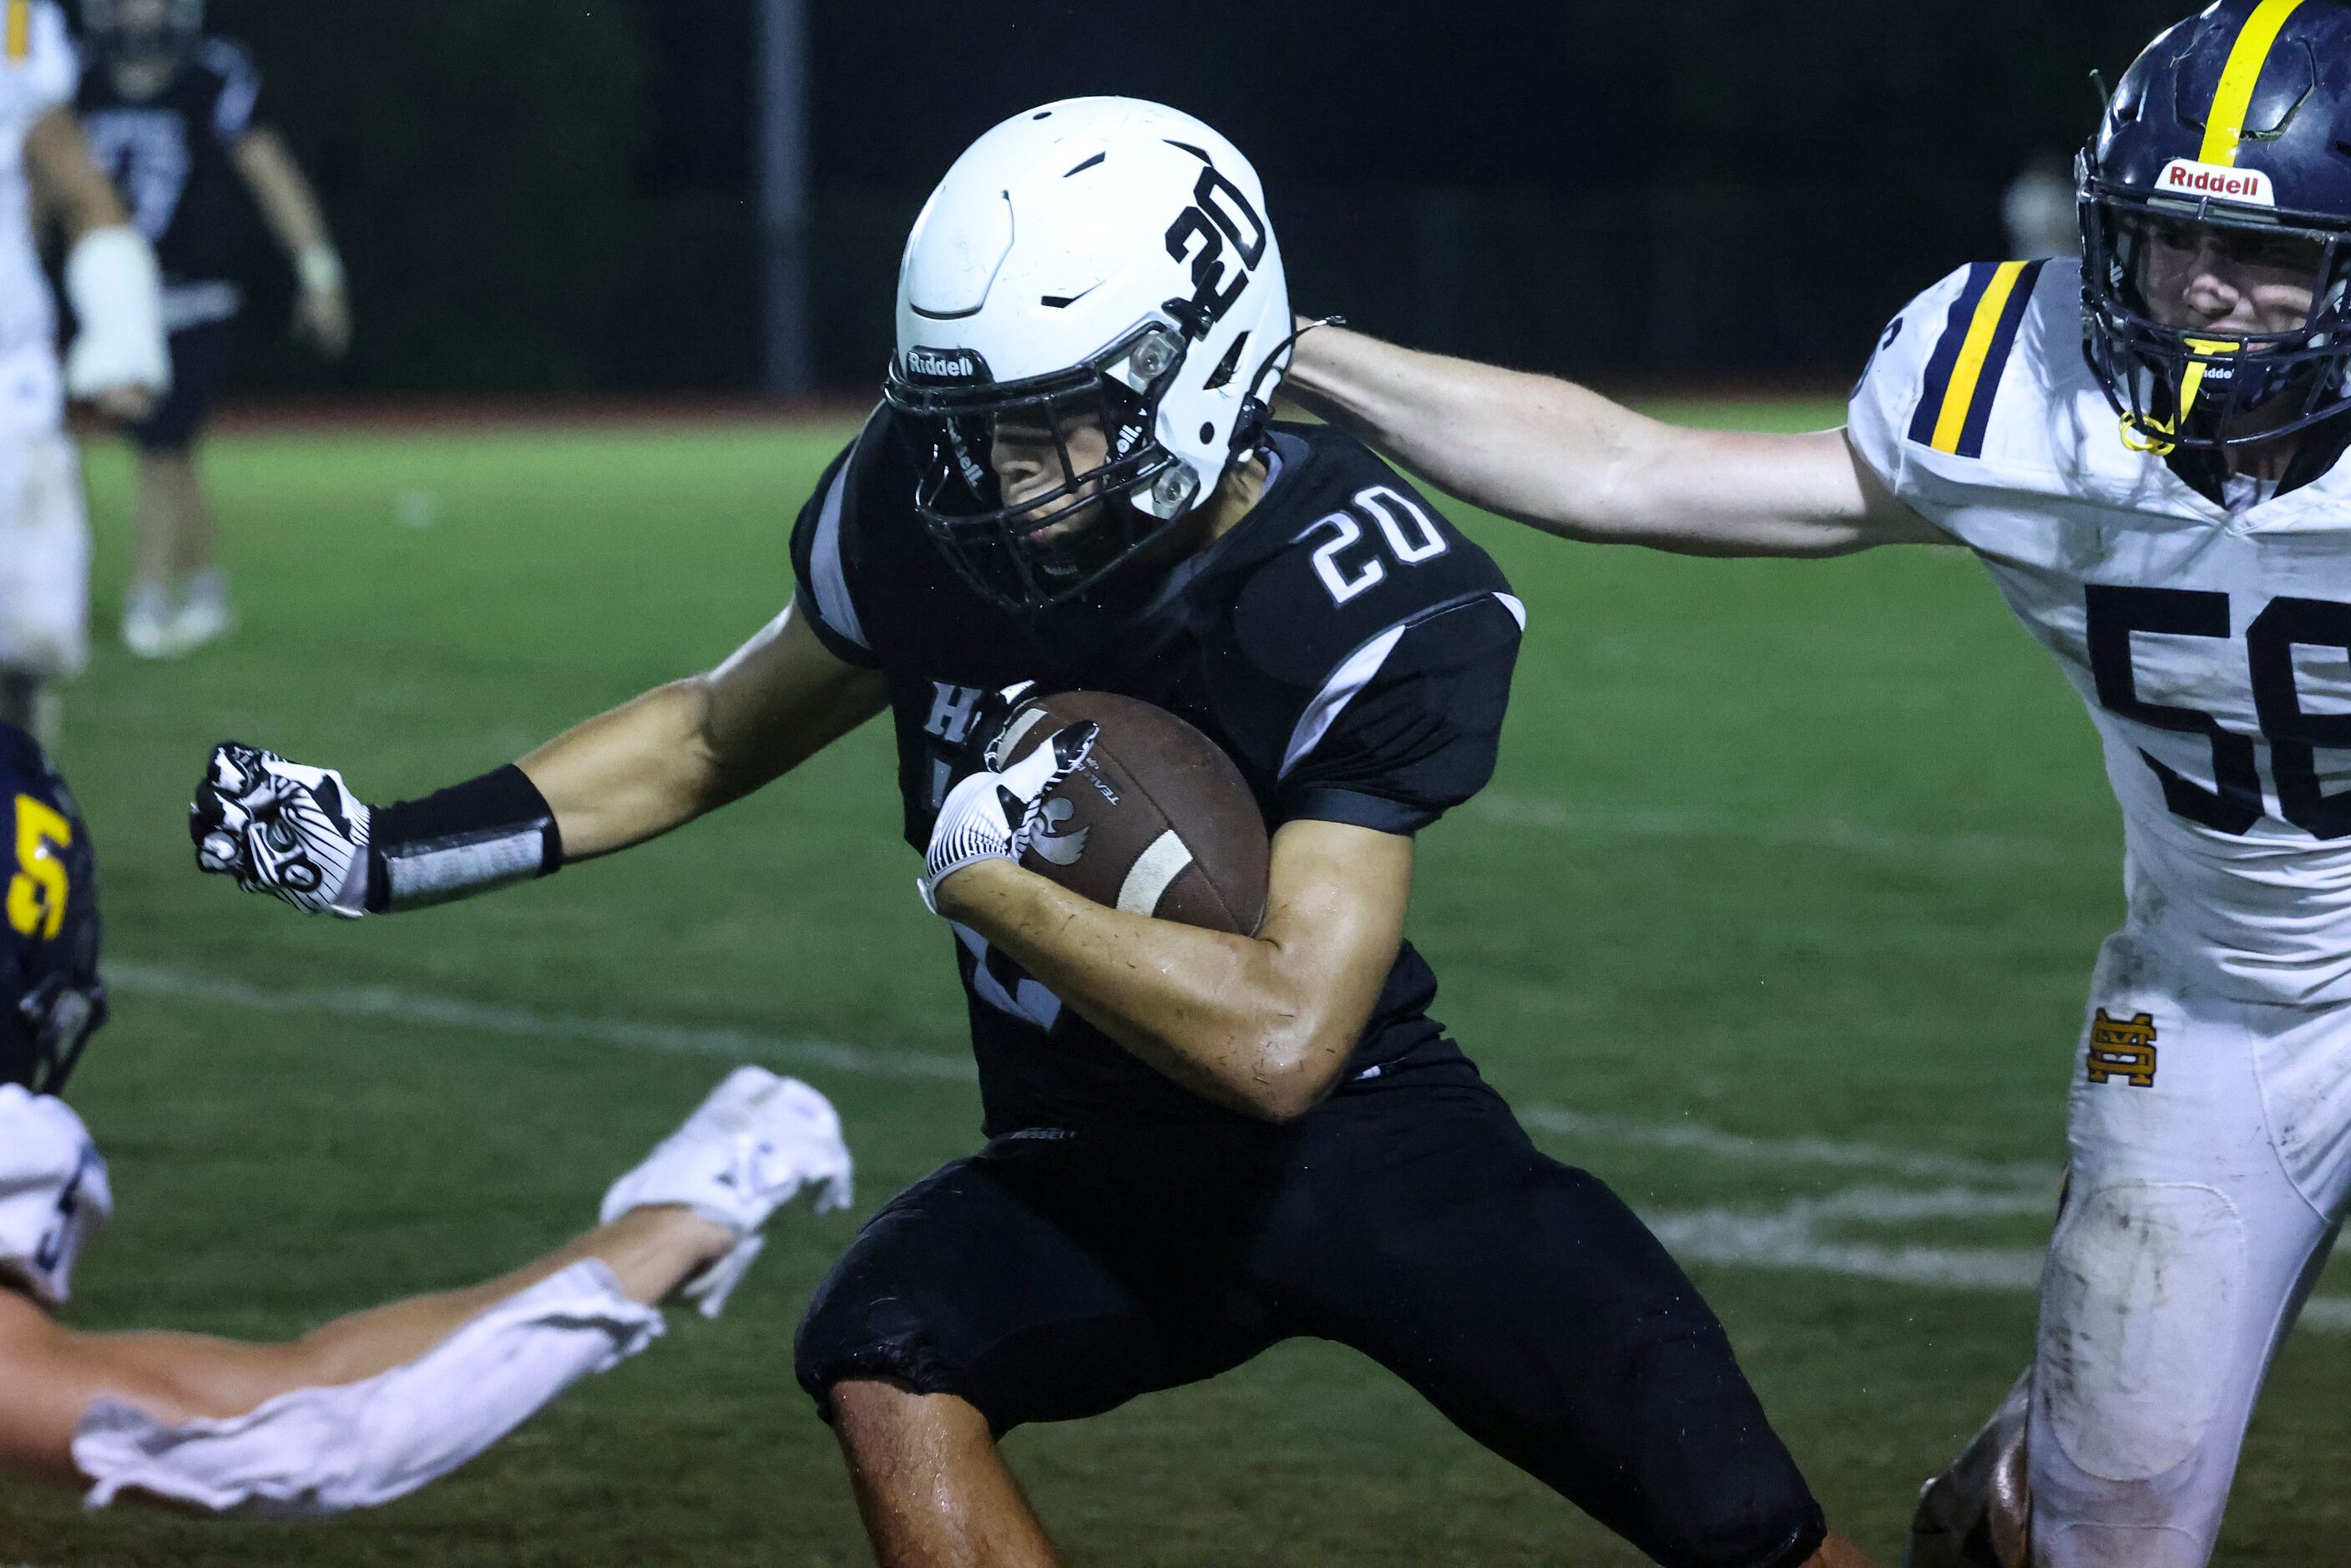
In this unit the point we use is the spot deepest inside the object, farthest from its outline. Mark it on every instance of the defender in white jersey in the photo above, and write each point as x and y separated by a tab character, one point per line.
373	1406
2161	500
119	360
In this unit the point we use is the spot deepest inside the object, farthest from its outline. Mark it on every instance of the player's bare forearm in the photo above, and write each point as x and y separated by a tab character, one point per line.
1563	458
691	747
1261	1025
286	202
53	1373
66	180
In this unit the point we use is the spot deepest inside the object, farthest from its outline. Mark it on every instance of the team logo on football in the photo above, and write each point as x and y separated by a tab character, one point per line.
1051	843
2186	177
2123	1049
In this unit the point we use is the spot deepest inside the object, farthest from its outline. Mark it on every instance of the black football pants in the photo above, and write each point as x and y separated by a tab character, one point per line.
1057	1275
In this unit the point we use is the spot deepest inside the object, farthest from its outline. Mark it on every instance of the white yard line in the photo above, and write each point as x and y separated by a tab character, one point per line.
390	1003
1695	1138
1808	1234
1830	834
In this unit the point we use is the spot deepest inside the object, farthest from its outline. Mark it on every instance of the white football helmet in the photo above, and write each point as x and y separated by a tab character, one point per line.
1098	259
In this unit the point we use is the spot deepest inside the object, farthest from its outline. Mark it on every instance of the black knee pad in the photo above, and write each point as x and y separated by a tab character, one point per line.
846	1336
1720	1490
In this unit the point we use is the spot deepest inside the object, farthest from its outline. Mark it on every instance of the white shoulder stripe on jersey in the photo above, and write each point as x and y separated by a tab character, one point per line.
831	584
1360	669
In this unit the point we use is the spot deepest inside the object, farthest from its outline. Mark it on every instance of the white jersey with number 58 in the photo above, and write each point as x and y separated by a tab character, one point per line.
2213	649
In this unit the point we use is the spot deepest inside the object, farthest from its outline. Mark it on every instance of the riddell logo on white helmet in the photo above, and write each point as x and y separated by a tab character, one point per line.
2186	177
944	364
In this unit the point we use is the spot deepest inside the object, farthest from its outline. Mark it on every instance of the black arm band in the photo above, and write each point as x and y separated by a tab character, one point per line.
485	833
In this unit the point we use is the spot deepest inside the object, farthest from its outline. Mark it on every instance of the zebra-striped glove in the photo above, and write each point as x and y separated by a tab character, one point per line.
283	829
991	815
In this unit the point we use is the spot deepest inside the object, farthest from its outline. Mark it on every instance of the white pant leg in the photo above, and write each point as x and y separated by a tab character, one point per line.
2186	1248
44	557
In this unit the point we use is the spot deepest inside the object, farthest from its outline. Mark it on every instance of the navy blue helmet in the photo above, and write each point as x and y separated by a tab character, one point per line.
2232	129
51	1000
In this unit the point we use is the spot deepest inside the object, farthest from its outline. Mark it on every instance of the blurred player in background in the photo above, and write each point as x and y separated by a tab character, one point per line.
2038	211
368	1407
1202	1144
2169	514
116	361
170	116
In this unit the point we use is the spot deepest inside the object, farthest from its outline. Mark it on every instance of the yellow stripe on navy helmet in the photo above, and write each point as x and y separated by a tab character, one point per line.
2224	129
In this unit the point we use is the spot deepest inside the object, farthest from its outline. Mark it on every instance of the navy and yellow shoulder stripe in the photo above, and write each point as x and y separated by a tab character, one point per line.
1963	376
19	30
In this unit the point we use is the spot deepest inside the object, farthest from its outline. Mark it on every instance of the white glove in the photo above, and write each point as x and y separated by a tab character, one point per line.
280	828
750	1148
993	815
117	298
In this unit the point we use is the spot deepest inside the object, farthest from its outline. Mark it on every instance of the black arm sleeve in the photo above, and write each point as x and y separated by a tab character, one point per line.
464	840
1419	735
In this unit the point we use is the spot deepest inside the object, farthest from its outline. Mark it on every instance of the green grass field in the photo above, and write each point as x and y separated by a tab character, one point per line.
1777	916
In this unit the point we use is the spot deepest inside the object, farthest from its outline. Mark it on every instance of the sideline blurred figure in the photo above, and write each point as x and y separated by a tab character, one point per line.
117	362
371	1407
169	115
2039	212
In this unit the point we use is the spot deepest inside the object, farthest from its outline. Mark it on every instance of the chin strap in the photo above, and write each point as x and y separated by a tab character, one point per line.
2135	430
1248	431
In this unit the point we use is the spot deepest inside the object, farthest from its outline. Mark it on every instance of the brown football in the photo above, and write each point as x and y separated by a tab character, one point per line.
1156	821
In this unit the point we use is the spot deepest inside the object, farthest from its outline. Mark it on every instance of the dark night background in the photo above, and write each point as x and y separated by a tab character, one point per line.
554	195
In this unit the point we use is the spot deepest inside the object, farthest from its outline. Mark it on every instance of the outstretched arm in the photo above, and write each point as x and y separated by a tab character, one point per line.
1566	460
376	1404
54	1374
632	774
687	749
1260	1024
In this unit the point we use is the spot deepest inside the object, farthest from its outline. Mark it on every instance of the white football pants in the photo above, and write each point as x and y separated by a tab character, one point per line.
2211	1147
44	557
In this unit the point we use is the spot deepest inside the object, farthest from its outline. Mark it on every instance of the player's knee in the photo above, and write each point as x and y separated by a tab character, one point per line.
1720	1487
2141	1276
2141	1384
873	1352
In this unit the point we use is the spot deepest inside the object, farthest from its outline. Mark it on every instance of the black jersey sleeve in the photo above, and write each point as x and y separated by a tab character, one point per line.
1409	725
820	563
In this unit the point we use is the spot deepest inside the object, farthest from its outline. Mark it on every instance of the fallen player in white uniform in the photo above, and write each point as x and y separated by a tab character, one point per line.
119	361
371	1407
2169	514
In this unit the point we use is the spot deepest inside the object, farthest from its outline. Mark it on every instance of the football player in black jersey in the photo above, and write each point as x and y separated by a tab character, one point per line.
169	114
1200	1144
